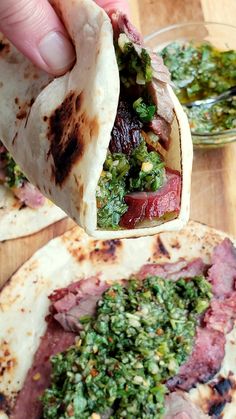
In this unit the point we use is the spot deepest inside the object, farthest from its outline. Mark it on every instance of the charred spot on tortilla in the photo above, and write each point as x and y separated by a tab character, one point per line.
77	253
4	404
7	360
81	257
175	244
77	103
107	251
31	101
94	128
160	250
4	48
223	386
66	138
21	114
216	409
23	205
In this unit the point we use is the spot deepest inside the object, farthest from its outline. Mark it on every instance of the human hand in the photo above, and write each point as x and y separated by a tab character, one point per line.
35	29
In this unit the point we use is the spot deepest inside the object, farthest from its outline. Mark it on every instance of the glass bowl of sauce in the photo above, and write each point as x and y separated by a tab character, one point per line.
201	57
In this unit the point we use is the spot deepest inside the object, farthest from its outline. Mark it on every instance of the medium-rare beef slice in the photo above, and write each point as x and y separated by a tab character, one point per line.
76	301
37	380
174	271
204	362
221	314
126	133
222	274
162	129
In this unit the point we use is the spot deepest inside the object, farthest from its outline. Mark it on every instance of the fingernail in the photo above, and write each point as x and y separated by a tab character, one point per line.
57	52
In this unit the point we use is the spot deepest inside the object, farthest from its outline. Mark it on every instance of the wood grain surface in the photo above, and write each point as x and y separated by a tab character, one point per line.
213	198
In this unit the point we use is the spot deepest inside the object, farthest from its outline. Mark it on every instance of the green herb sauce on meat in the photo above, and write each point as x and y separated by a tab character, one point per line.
200	71
140	336
134	68
111	190
144	111
14	176
143	171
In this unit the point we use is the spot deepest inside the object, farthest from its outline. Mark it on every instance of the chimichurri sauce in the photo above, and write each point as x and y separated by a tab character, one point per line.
143	171
14	178
136	168
199	71
219	117
141	334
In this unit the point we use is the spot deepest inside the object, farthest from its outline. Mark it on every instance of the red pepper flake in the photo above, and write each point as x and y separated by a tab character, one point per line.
111	293
94	372
70	410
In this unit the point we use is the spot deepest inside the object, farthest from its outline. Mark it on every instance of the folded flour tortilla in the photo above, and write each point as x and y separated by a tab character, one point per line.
73	256
59	130
23	209
17	220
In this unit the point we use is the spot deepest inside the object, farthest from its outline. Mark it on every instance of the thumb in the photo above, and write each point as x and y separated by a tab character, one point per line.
121	5
35	29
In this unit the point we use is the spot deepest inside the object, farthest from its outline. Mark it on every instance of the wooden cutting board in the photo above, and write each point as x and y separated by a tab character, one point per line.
213	182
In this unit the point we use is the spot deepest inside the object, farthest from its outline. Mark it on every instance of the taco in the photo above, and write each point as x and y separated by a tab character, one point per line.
139	328
108	142
23	209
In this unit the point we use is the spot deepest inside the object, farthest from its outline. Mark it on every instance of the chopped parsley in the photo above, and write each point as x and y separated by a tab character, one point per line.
111	190
147	169
14	176
199	71
134	62
219	117
144	171
144	111
140	336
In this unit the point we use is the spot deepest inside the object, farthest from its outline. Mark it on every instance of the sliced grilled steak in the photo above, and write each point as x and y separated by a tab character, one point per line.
208	351
222	274
174	271
203	363
38	378
163	129
152	205
121	24
125	135
76	301
222	314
